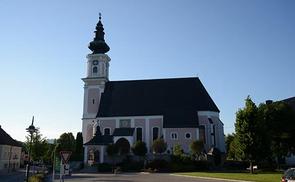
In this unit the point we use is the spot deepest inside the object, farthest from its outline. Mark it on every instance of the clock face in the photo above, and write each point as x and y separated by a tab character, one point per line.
95	62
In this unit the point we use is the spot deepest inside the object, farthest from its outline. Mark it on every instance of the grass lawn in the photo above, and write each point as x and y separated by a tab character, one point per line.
260	177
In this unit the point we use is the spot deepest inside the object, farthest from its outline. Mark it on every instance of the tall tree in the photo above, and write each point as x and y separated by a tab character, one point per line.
248	133
231	145
279	120
66	142
112	151
140	149
38	146
79	147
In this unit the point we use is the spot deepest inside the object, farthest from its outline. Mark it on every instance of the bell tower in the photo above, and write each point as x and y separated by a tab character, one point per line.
97	74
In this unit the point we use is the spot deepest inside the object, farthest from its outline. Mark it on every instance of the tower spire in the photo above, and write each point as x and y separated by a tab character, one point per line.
98	45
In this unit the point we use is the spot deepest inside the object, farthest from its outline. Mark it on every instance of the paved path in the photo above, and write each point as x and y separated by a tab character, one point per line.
133	177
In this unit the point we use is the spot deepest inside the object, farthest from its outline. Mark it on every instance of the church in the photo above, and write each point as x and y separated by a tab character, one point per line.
179	110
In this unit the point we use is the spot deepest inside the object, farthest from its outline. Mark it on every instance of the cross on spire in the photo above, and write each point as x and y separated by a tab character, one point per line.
99	16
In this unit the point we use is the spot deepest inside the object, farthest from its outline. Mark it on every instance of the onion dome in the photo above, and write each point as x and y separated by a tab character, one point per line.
98	45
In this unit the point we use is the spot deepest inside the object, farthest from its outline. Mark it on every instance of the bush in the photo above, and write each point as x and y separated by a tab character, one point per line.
158	164
185	164
159	146
104	167
235	165
202	165
131	166
177	150
37	178
139	148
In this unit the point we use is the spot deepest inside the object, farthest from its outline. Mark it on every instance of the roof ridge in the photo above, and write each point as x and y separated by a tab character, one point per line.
155	79
290	98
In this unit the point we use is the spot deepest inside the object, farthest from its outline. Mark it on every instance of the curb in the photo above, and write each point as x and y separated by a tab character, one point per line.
210	178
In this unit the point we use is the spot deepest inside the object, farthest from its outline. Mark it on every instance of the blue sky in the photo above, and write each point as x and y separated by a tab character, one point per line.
236	47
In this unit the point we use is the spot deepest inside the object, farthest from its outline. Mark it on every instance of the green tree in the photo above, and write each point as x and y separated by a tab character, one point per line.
159	146
112	151
66	142
231	150
279	120
177	150
39	146
139	149
197	147
249	134
79	147
48	158
231	143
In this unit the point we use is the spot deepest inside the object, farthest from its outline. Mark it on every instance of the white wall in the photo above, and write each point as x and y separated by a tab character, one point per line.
9	157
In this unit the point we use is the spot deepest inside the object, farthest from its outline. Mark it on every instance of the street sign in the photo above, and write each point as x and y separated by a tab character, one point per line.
65	156
65	169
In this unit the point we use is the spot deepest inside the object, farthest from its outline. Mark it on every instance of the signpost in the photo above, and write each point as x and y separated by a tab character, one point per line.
65	156
64	166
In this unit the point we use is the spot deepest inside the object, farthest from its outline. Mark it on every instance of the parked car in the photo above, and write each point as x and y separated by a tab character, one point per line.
289	175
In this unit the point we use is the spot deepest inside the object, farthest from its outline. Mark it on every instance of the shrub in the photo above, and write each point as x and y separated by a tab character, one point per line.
36	178
159	146
197	147
202	165
235	165
177	150
104	167
139	148
160	165
215	155
131	166
185	164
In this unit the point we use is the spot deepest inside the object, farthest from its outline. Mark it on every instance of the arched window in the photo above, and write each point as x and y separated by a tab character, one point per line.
94	70
138	134
174	136
155	133
107	131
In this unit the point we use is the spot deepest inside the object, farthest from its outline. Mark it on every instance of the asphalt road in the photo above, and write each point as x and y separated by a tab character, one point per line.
133	177
18	176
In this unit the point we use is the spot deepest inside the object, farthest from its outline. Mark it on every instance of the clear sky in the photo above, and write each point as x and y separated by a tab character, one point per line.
236	47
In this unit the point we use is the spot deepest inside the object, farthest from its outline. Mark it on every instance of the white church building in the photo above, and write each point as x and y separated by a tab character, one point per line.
179	110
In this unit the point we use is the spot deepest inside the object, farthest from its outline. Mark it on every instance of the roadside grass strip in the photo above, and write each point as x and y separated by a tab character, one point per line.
209	178
235	177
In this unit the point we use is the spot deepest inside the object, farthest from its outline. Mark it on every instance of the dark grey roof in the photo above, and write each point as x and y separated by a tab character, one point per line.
123	132
290	102
6	139
100	140
177	99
